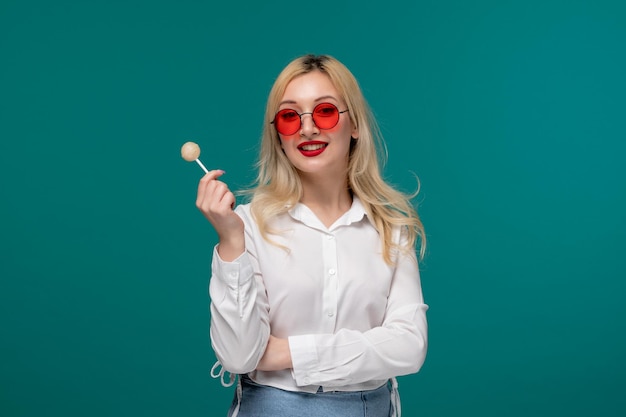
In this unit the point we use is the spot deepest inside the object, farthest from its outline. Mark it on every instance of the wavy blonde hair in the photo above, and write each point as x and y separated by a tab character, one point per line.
278	185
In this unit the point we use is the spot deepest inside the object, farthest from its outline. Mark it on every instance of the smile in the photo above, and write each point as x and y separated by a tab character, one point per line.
313	147
310	149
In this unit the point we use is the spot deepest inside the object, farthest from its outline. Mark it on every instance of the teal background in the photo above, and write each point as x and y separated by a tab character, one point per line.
512	114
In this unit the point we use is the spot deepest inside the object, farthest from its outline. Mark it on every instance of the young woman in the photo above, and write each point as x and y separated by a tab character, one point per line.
316	299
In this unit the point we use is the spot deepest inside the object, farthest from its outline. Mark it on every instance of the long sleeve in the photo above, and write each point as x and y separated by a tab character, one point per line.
397	347
239	312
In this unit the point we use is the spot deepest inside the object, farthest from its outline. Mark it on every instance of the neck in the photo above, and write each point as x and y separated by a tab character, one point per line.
328	198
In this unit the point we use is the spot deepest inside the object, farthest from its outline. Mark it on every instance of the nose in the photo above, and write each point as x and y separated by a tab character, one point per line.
308	127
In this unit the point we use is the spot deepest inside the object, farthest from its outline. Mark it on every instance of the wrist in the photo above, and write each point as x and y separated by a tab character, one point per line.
230	249
286	354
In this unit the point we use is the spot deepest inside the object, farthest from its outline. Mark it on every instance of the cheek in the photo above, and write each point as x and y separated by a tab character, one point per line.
285	142
286	139
288	147
345	130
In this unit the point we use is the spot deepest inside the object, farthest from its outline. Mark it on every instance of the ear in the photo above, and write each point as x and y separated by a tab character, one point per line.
355	132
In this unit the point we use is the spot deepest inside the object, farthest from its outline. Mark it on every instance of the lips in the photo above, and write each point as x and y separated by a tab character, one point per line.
312	148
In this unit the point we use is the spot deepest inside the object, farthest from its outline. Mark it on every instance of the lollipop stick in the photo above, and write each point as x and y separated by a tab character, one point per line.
202	166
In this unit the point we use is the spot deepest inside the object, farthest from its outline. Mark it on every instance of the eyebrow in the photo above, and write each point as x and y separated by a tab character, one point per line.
316	100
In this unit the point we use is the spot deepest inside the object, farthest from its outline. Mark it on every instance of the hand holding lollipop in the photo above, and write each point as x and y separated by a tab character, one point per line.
217	202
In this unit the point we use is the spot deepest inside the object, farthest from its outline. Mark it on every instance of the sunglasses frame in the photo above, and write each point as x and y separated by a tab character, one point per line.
312	113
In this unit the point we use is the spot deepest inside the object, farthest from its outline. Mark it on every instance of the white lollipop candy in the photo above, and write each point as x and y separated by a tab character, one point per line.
191	152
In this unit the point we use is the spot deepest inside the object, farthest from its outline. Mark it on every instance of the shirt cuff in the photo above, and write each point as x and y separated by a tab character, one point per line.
234	273
304	358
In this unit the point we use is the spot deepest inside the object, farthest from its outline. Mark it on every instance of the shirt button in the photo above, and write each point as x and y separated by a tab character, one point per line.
331	271
330	237
307	381
330	314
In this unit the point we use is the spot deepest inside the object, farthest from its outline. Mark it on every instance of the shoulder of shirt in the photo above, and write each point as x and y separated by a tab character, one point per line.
243	208
244	211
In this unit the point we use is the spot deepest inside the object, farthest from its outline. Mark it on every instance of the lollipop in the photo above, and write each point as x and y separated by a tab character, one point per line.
190	152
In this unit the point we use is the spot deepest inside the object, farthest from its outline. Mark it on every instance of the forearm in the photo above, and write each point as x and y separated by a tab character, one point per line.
349	356
239	321
277	355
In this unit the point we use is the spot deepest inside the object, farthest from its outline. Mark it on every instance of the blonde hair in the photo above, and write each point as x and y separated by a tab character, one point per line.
278	185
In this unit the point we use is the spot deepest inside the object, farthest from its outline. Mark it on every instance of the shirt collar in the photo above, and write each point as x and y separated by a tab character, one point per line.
302	213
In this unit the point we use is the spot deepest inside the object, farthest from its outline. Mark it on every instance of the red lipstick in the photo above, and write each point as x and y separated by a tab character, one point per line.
312	148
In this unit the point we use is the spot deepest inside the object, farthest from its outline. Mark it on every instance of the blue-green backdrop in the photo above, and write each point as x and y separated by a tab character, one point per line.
512	114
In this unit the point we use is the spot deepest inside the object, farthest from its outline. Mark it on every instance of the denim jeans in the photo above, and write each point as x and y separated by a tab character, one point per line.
264	401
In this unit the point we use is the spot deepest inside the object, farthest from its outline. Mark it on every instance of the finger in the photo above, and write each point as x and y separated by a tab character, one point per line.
211	203
222	198
228	200
205	182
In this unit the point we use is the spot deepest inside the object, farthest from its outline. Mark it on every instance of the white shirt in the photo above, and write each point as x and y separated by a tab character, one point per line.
352	320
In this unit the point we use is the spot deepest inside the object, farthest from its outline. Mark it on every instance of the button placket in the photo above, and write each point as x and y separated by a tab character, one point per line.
329	245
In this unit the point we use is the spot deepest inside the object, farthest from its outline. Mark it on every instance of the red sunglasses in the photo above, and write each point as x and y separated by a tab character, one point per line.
325	116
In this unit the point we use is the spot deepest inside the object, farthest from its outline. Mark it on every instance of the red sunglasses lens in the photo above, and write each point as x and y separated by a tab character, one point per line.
287	122
325	115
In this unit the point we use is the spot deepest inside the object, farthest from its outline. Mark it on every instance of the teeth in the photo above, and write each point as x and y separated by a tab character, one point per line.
313	147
